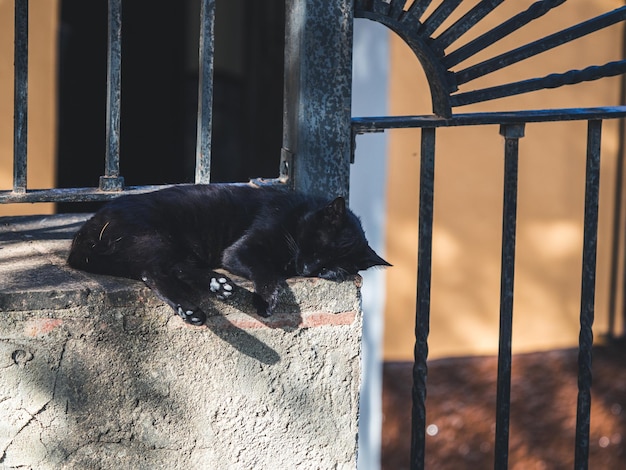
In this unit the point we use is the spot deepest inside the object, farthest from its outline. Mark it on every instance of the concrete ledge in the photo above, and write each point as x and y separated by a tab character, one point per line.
98	373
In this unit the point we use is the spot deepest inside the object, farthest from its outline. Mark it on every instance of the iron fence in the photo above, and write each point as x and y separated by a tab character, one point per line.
512	126
419	27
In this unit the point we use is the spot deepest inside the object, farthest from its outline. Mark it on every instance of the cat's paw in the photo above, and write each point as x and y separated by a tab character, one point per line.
222	287
194	317
262	308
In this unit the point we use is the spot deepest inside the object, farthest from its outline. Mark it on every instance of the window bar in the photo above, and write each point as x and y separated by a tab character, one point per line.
512	134
20	132
590	238
205	92
112	181
422	314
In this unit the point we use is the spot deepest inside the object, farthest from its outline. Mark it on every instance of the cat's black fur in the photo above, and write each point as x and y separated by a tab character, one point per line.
173	239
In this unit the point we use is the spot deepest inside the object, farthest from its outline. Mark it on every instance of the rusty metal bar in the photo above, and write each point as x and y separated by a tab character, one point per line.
20	120
375	124
422	313
205	92
112	181
512	134
590	240
71	194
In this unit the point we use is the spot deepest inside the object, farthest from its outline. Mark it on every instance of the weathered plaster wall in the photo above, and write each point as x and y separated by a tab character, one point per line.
97	373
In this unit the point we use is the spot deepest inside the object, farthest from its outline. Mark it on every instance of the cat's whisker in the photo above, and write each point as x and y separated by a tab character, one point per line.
292	245
103	229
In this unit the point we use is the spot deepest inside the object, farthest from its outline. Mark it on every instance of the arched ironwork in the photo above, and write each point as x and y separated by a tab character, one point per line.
438	55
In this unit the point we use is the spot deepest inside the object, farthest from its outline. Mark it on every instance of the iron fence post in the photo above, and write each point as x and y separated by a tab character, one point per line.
317	99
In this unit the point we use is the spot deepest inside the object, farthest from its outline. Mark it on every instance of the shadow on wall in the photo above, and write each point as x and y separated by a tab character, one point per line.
98	372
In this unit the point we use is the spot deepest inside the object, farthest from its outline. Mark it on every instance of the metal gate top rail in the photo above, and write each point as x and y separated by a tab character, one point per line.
362	125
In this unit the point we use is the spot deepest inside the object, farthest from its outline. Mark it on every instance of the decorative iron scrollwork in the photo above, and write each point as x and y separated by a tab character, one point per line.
417	29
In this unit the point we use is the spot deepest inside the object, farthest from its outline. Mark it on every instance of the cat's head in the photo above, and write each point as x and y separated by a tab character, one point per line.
331	244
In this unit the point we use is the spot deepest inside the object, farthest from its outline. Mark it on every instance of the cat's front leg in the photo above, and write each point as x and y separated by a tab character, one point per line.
266	296
253	261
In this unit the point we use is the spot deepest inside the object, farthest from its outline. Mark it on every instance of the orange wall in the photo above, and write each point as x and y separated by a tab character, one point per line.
41	99
468	200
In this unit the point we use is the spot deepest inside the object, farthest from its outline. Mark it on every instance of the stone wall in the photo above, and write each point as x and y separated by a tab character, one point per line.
96	372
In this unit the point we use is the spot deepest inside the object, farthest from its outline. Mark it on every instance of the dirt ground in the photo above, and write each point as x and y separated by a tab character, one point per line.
461	412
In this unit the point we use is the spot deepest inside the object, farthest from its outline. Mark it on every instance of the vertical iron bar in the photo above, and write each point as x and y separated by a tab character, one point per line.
511	134
20	121
111	181
585	344
205	92
422	314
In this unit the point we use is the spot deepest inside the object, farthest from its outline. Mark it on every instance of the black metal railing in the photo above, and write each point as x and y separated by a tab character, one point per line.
438	56
111	184
512	129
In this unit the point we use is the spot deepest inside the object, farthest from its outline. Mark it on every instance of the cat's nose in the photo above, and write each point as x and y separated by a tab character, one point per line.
306	270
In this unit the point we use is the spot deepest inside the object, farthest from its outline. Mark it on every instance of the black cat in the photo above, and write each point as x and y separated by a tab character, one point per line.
172	239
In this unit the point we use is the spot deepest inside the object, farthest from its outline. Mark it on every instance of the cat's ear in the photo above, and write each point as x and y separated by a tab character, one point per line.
335	211
370	258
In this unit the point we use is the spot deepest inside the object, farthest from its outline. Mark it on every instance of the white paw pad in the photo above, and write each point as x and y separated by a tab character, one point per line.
221	287
184	314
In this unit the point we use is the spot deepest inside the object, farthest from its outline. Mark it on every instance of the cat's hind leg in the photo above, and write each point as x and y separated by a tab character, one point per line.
221	286
176	295
185	285
201	279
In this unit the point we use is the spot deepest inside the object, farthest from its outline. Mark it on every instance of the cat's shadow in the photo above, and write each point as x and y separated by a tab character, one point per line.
235	320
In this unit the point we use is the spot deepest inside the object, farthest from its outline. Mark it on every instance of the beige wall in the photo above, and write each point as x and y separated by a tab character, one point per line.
41	98
468	200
